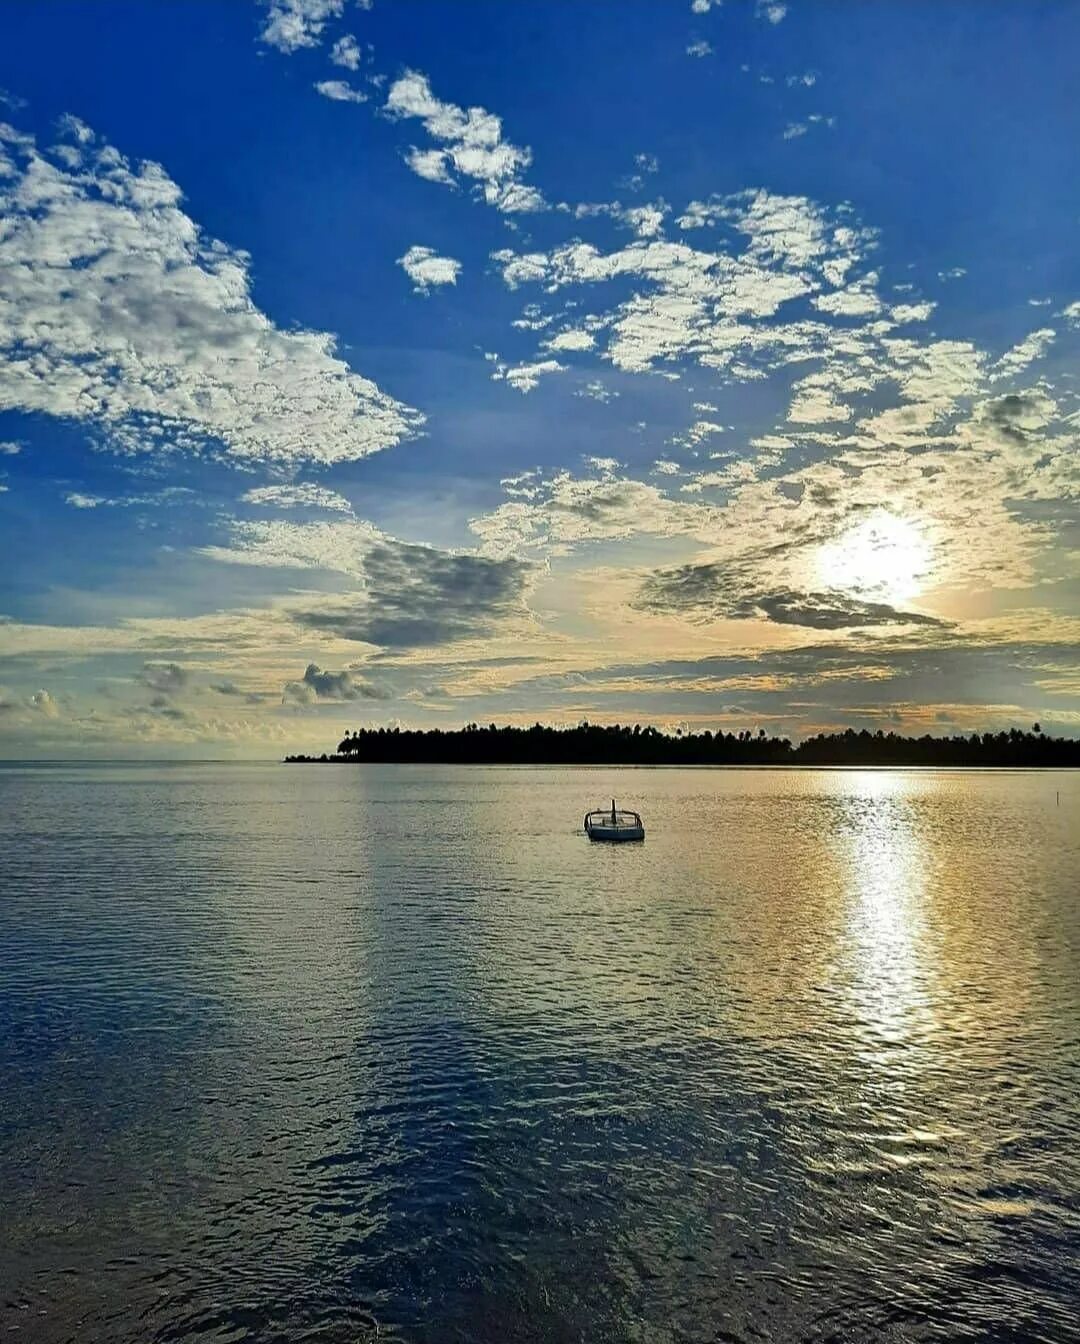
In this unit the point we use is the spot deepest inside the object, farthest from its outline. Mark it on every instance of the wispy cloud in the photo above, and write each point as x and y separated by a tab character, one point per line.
339	91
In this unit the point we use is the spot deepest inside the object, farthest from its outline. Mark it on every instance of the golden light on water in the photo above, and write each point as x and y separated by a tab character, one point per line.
883	557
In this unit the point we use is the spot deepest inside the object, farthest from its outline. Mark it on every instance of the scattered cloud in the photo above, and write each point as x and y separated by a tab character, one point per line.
168	678
699	48
525	377
417	596
346	53
43	703
770	11
294	24
119	311
300	495
340	91
470	144
718	591
318	685
426	269
794	130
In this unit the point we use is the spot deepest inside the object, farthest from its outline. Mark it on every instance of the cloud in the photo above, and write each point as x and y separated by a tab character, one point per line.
418	596
795	129
525	377
346	53
567	510
77	500
472	145
300	495
406	594
292	24
717	306
699	48
120	312
770	11
10	448
1031	348
340	91
168	678
43	703
573	339
230	689
425	268
318	685
717	591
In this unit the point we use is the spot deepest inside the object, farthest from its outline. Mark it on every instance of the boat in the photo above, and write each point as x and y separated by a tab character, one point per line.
614	824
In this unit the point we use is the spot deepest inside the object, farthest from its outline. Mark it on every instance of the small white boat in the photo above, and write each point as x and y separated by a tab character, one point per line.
614	825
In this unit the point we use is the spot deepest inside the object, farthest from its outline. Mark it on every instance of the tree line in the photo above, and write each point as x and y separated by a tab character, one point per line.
623	744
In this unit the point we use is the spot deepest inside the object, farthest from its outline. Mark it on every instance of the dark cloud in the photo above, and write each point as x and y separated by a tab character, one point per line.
418	596
1014	415
166	677
317	684
720	592
230	688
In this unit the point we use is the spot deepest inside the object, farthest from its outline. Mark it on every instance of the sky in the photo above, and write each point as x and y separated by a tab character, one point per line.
704	364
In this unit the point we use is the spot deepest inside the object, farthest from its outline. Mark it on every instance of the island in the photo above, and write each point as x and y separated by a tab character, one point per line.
622	744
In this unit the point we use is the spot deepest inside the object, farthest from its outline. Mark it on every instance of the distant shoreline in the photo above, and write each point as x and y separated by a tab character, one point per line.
635	745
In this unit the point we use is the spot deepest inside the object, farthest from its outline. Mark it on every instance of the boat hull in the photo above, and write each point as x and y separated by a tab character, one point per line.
616	834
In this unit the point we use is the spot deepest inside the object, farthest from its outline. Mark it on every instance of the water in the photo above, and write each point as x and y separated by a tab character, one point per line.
325	1054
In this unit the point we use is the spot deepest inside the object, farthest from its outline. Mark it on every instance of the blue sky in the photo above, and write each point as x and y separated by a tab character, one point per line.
698	363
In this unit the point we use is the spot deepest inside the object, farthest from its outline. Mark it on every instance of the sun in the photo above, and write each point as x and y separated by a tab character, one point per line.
884	558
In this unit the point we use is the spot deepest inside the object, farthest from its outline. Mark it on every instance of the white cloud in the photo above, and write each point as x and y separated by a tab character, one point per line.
118	310
473	143
43	702
339	91
78	500
806	80
703	6
425	268
301	495
526	376
596	391
795	129
1032	347
10	447
571	340
1071	313
431	164
346	53
770	11
292	24
911	312
699	48
713	304
568	510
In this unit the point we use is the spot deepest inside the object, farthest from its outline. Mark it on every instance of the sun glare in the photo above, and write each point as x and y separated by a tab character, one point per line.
883	557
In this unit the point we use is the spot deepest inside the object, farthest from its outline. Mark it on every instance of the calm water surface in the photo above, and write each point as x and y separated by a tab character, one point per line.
324	1054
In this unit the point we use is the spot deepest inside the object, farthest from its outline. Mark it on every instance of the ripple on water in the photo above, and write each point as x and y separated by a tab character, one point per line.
328	1055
